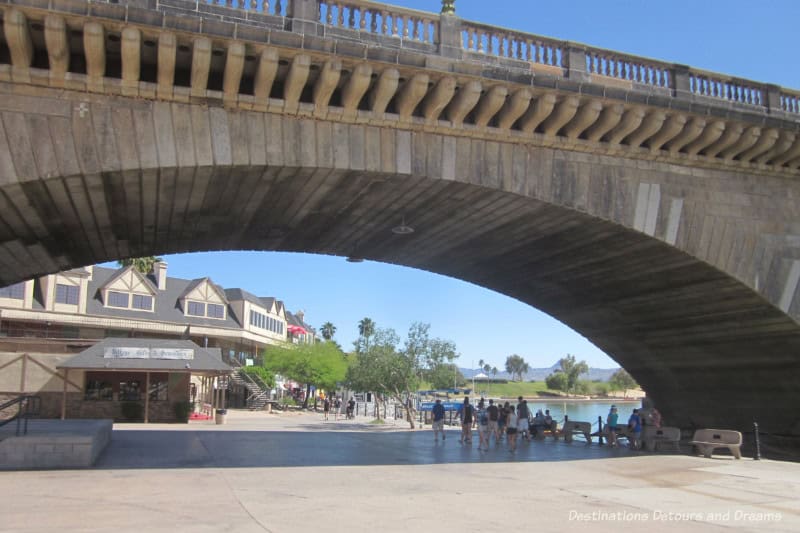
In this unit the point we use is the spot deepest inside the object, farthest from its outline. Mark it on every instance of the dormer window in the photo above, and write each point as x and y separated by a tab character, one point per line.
16	291
124	300
66	294
215	311
196	309
207	310
118	299
143	301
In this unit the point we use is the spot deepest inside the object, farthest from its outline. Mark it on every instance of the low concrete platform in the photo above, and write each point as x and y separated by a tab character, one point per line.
54	444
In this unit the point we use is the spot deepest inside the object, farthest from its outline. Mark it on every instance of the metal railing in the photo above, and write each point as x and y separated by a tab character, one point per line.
27	405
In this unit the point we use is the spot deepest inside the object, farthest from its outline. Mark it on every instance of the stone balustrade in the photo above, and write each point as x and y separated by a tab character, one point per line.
380	19
489	40
790	101
627	68
723	87
267	7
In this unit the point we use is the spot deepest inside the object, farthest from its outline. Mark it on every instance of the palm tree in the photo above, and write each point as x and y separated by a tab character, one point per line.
328	330
142	264
366	329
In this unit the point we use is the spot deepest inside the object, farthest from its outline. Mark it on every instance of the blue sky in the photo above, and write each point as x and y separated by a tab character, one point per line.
753	40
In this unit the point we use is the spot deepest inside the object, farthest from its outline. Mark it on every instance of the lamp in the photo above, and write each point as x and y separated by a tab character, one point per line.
402	229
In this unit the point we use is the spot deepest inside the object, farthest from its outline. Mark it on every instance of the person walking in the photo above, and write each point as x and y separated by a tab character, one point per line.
511	429
337	406
326	406
466	414
483	426
611	426
494	419
523	422
438	420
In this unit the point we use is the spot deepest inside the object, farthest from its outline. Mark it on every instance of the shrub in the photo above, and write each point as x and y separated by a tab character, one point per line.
182	410
132	410
288	401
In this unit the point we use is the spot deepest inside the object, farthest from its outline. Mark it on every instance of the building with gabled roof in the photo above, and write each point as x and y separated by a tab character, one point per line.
94	303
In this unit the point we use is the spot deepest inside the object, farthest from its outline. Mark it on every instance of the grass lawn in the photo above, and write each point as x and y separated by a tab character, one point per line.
510	389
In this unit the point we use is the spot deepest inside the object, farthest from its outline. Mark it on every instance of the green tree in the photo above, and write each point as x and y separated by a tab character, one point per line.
322	364
396	373
556	381
572	369
487	368
366	329
621	380
445	376
142	264
379	368
327	330
516	366
494	372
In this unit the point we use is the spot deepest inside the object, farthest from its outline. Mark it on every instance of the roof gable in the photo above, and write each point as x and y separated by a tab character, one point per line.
204	290
129	279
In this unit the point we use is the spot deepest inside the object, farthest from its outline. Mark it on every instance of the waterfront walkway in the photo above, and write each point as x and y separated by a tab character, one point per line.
282	473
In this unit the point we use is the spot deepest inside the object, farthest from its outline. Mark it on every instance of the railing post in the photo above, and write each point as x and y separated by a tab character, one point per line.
681	85
757	455
449	36
304	15
772	97
599	430
575	63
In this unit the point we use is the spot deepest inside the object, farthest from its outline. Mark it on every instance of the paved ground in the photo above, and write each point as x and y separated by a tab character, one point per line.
289	473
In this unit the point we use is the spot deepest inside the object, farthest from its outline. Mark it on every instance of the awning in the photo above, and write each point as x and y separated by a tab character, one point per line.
296	330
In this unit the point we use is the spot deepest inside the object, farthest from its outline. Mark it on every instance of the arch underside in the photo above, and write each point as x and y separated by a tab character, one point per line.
709	350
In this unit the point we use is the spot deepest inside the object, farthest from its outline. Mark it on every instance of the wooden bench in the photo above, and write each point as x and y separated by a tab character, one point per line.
707	440
571	427
653	437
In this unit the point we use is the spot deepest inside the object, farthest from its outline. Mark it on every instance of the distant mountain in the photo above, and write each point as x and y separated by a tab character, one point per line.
539	374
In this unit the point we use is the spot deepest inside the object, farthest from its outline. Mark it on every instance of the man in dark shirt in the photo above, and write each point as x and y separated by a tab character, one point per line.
438	420
465	413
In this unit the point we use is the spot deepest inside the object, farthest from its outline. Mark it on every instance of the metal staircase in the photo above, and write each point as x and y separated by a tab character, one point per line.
258	391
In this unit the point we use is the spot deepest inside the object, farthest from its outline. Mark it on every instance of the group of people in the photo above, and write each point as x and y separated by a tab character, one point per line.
633	430
491	419
336	404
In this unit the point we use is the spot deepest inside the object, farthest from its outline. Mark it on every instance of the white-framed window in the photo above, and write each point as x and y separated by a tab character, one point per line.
66	294
196	309
118	299
15	292
215	311
143	302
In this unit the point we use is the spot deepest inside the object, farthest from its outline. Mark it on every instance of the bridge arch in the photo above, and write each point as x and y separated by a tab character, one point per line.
680	274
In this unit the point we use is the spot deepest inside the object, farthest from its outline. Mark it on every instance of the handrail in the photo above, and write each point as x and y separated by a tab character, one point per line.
380	19
28	406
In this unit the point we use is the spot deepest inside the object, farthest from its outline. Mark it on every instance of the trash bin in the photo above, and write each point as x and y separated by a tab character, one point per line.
219	416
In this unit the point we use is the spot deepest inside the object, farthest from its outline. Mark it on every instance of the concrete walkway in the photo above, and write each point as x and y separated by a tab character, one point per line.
289	473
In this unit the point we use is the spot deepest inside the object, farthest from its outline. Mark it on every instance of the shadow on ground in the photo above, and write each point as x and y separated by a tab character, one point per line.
234	449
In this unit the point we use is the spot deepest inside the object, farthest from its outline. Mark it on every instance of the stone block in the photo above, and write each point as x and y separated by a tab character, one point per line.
219	28
109	11
77	7
145	16
178	20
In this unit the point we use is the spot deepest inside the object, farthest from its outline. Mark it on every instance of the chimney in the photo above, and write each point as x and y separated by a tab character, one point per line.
300	314
160	273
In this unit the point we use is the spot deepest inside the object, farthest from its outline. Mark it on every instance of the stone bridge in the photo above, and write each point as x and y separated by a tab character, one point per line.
652	207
